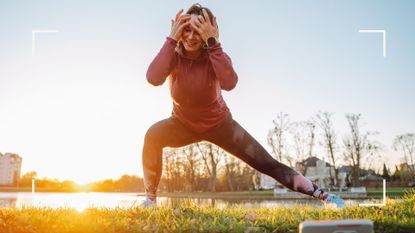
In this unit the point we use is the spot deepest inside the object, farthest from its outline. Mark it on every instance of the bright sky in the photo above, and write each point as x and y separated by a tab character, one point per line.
80	107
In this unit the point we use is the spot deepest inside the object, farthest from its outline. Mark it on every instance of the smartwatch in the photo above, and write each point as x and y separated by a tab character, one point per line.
211	41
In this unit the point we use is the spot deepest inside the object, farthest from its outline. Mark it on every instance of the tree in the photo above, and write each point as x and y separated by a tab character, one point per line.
26	179
211	155
191	165
277	138
356	145
173	169
311	126
300	140
128	183
373	149
385	173
167	169
303	133
329	141
406	143
230	170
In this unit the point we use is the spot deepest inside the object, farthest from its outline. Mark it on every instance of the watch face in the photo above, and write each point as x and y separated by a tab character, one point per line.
211	41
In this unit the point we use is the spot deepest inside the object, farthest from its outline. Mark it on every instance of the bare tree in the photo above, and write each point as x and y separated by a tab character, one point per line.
373	149
300	140
211	155
245	177
303	133
329	141
231	171
241	174
173	169
167	168
311	126
357	145
277	138
191	165
406	143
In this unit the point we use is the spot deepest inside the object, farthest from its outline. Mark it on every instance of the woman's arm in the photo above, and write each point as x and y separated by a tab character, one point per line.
222	65
163	63
221	62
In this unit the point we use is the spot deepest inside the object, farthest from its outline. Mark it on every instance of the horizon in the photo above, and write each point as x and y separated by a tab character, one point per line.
78	108
377	172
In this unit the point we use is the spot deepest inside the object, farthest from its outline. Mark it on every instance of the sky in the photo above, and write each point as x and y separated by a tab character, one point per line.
78	108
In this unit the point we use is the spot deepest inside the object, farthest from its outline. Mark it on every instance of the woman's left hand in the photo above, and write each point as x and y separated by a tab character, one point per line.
203	26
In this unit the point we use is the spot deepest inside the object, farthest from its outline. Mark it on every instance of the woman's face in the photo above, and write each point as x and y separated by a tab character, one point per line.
191	39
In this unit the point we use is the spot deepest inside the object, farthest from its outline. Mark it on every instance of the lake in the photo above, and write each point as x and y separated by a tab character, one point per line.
81	201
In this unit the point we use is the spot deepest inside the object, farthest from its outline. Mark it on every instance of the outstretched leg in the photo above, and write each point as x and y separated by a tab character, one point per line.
166	133
236	140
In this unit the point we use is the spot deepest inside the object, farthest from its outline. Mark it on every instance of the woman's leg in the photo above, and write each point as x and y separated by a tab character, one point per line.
166	133
236	140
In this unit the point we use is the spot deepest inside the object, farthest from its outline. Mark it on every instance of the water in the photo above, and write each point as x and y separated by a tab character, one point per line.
81	201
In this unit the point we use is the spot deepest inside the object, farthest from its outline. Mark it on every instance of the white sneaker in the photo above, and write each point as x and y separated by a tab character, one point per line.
147	203
334	199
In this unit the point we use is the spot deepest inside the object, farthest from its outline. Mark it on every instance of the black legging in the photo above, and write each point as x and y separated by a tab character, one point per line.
230	136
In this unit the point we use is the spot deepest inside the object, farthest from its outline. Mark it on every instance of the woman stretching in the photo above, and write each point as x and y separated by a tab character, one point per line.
198	70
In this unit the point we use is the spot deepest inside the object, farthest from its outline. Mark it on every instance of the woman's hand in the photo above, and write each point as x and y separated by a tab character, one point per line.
177	25
203	26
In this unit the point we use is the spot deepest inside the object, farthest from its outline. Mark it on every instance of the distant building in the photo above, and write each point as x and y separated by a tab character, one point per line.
371	176
313	168
10	165
317	170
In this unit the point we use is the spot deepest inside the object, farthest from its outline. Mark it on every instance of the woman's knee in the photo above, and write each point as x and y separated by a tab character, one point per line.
153	134
162	133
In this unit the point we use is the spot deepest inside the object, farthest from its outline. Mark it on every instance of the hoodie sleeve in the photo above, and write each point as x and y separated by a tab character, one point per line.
163	64
222	65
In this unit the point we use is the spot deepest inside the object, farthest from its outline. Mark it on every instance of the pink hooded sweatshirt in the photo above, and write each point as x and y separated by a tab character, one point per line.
195	84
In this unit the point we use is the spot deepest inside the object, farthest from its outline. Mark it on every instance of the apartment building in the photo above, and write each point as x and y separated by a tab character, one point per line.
10	166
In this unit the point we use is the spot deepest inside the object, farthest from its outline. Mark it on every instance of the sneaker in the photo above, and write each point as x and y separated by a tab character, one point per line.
334	199
147	203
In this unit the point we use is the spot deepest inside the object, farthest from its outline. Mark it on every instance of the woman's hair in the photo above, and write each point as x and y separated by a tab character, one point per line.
196	9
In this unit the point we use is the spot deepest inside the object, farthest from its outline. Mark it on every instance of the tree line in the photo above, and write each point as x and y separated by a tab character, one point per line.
204	166
126	183
293	141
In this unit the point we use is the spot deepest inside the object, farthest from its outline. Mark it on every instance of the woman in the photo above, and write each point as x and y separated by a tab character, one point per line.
198	69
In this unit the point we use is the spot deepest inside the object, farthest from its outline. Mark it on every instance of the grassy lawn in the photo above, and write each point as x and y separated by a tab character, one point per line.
268	194
390	191
240	194
397	216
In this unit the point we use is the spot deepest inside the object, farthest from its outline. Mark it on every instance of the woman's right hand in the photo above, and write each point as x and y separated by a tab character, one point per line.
177	25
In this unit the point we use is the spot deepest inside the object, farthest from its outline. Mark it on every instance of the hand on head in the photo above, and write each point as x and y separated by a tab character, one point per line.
178	24
200	23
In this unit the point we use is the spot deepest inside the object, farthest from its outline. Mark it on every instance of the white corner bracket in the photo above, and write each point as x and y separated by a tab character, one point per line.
383	31
34	38
384	197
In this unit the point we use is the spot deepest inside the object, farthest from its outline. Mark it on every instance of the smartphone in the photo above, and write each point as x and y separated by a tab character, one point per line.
337	226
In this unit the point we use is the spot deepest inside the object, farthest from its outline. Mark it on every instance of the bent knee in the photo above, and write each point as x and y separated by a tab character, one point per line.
152	135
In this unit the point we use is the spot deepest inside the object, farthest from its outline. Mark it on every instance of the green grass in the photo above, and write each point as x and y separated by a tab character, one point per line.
398	214
266	194
390	191
269	194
